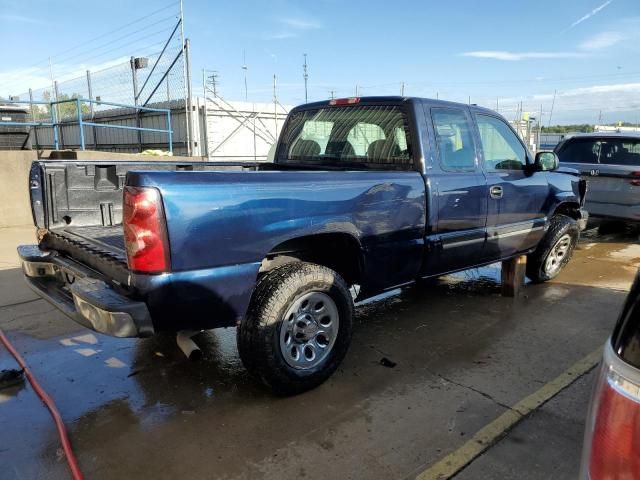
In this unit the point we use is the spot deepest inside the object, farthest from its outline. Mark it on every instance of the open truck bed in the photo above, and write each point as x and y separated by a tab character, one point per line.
77	205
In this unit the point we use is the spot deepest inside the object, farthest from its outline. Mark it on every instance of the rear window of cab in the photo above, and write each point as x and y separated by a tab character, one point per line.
608	151
367	136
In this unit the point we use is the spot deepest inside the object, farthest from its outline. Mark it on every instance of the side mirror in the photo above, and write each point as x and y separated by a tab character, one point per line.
546	162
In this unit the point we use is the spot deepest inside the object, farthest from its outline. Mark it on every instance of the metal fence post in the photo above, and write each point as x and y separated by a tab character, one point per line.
54	121
187	61
80	125
33	118
93	112
170	130
58	116
134	75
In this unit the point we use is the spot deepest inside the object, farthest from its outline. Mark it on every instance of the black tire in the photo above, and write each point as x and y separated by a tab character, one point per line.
560	226
258	335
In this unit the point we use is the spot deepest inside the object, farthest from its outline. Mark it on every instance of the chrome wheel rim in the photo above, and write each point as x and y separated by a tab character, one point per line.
308	330
557	255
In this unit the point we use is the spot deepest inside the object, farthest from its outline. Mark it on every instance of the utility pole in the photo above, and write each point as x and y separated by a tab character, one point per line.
245	68
469	99
552	104
205	118
305	75
402	89
275	106
539	130
356	90
600	118
437	95
497	105
332	94
213	80
187	82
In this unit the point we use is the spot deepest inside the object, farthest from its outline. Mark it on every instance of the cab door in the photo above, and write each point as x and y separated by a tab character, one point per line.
517	196
459	195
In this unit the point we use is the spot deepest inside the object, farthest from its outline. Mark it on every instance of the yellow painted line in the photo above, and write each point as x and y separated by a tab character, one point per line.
487	436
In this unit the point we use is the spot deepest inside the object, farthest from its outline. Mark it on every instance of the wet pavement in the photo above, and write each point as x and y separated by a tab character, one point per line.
463	355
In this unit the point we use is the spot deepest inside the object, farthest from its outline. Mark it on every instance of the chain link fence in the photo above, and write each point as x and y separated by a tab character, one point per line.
159	82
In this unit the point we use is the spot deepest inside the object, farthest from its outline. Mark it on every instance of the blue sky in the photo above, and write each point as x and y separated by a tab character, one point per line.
503	50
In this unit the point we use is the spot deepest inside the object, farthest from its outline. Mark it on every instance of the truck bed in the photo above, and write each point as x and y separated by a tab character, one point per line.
79	206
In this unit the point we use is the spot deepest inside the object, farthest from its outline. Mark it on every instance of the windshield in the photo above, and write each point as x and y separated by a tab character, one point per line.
604	151
350	136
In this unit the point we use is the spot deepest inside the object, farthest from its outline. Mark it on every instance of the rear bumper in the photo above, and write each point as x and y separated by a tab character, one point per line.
80	294
614	211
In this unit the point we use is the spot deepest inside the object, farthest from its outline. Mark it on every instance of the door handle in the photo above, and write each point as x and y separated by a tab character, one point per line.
496	192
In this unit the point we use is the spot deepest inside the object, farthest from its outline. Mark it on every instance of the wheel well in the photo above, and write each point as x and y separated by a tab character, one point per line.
338	251
570	209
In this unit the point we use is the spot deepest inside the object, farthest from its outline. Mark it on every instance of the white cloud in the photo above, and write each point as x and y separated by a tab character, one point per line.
18	80
576	105
602	40
282	35
516	56
9	17
300	23
590	14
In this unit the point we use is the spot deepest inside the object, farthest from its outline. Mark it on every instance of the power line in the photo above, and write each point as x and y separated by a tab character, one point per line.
93	56
110	32
92	50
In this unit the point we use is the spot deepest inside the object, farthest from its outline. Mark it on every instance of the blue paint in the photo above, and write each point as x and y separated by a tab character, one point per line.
421	222
422	219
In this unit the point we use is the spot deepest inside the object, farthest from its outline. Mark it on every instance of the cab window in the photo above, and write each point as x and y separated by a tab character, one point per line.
500	145
454	139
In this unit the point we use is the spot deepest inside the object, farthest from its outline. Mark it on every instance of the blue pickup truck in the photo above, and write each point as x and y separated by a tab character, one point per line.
364	195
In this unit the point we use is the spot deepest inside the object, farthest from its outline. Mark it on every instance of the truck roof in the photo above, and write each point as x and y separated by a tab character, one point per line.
395	99
617	134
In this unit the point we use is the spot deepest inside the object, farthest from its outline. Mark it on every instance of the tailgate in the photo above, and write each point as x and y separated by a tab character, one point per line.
613	184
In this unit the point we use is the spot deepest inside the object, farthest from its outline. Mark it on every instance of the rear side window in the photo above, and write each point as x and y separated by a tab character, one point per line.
607	151
620	152
454	139
580	151
350	136
500	145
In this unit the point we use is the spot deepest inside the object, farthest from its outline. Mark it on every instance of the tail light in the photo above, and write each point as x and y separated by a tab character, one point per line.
612	436
145	232
636	181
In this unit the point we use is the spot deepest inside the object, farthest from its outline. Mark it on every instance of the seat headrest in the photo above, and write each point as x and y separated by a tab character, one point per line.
340	149
306	148
383	149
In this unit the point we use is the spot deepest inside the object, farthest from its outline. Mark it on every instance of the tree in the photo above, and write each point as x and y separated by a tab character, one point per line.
66	110
584	127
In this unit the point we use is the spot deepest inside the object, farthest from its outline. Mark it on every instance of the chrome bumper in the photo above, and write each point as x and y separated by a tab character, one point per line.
88	300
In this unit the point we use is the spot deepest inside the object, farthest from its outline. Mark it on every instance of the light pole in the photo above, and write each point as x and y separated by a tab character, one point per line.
305	75
245	68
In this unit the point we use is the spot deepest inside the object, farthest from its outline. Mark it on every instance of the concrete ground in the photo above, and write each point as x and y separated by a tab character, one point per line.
463	354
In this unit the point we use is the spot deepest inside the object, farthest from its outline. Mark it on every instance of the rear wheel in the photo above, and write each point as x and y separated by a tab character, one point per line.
298	327
555	249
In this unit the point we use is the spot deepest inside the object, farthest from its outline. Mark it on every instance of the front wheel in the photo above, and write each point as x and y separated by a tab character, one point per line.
298	327
555	249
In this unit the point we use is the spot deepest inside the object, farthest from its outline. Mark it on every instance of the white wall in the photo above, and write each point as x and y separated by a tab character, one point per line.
240	130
